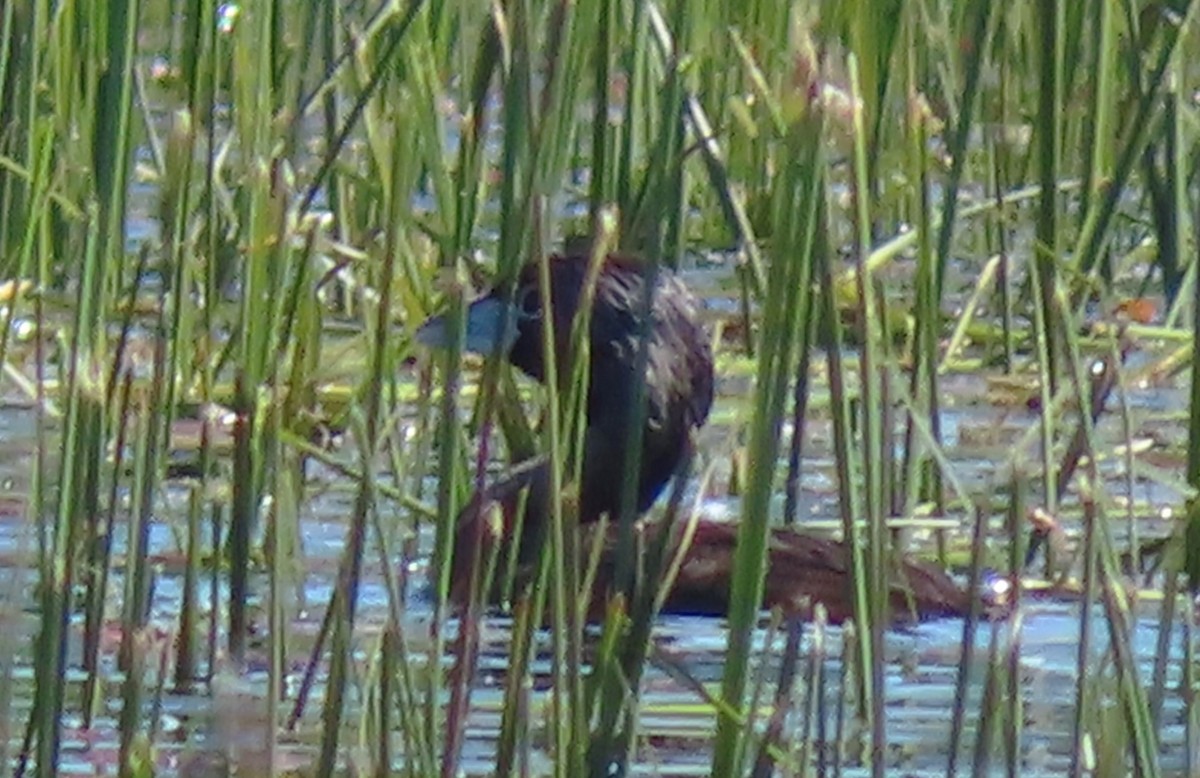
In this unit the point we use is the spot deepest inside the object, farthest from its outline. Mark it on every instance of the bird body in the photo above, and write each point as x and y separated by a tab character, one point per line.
678	384
803	570
678	392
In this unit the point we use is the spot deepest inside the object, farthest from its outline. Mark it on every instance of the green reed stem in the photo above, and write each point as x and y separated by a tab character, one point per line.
1100	569
1015	523
926	312
870	391
365	500
134	636
1140	127
558	535
1043	337
57	575
989	705
100	557
186	671
970	627
1048	131
796	217
1103	119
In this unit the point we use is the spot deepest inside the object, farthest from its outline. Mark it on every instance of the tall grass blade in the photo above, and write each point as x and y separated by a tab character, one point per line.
797	197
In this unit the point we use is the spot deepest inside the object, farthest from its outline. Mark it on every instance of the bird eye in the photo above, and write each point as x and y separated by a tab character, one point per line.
529	308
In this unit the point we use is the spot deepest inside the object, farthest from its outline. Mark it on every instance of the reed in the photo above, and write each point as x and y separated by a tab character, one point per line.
797	220
224	210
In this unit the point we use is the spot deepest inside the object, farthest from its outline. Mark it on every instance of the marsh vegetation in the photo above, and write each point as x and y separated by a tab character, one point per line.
947	257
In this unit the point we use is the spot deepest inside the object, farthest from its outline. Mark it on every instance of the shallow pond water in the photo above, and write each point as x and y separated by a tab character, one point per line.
922	661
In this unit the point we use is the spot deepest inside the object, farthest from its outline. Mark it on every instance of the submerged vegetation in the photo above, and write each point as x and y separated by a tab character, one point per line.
223	223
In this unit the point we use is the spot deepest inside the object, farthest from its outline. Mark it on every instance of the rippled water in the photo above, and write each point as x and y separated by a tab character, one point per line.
921	667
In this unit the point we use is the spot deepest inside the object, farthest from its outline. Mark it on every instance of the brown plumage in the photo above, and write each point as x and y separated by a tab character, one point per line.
678	374
801	569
